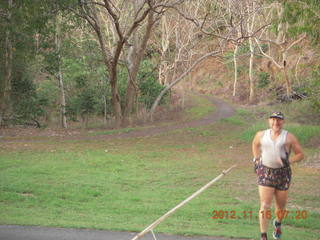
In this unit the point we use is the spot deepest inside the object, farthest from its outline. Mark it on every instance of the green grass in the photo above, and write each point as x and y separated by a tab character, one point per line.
201	107
239	118
302	132
109	132
80	184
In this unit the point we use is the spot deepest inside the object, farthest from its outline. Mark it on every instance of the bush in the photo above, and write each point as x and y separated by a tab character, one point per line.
83	104
263	79
27	105
87	101
311	88
149	86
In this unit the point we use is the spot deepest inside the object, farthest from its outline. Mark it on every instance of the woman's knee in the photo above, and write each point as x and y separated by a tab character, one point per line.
264	205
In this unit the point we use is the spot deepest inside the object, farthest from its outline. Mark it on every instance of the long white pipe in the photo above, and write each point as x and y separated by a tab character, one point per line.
158	221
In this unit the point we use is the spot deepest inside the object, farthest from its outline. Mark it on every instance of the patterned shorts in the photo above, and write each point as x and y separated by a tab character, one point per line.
278	178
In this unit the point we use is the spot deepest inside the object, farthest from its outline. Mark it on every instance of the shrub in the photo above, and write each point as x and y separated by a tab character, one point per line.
311	88
149	86
263	79
27	105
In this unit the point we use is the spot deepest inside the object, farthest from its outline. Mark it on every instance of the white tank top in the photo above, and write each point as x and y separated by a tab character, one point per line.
273	150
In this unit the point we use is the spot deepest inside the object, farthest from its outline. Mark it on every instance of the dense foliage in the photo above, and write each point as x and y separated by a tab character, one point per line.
35	64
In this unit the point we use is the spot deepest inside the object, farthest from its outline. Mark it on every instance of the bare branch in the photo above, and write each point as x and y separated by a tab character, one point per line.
136	23
184	15
266	55
278	44
140	9
296	42
96	3
115	18
181	77
87	17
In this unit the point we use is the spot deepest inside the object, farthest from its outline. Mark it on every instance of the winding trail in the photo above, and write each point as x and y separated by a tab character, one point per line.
223	110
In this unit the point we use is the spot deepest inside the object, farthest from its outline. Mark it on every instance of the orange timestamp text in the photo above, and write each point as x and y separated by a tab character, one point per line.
268	214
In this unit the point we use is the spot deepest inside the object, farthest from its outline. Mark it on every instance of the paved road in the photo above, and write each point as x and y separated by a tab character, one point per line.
11	232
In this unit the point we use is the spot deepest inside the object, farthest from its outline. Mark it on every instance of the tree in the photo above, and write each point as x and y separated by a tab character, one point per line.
180	78
20	21
134	58
250	26
57	38
180	40
5	92
249	19
118	27
282	43
216	20
303	17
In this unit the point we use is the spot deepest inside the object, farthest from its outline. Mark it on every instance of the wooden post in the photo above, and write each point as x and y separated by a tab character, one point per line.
158	221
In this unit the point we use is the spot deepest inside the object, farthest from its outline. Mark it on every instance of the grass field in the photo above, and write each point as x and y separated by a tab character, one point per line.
126	184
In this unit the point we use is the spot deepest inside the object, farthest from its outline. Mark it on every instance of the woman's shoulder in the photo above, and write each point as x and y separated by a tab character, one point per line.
291	137
260	134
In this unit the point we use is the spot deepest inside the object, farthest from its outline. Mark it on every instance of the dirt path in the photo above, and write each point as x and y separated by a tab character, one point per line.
223	110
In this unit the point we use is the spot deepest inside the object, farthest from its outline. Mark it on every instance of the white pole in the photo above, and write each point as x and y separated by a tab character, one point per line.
158	221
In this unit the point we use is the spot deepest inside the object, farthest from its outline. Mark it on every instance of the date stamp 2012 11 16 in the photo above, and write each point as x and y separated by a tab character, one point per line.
282	214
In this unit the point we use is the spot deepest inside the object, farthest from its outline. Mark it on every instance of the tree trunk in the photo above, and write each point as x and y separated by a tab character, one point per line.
286	78
63	118
86	121
133	66
131	94
252	94
105	108
251	79
135	57
5	97
235	70
111	67
110	59
296	71
115	96
163	68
